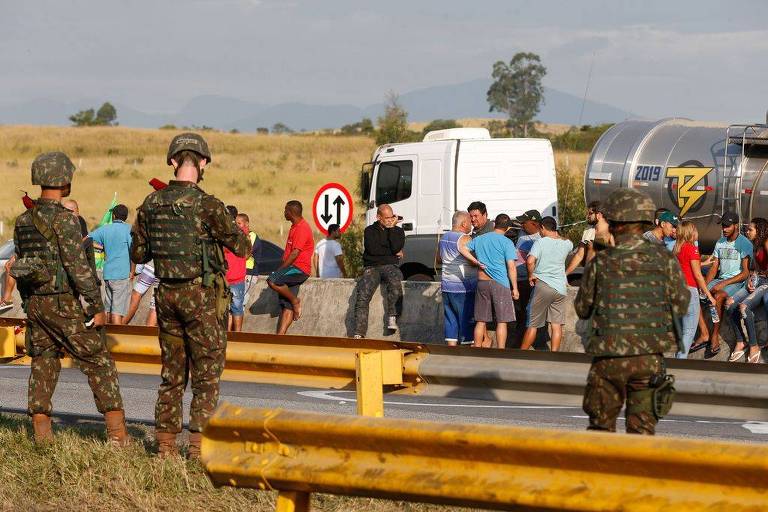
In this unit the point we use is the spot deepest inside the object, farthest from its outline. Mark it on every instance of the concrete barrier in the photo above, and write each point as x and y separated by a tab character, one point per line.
328	310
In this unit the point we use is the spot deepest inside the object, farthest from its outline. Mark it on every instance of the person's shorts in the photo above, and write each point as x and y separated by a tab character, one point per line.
292	277
730	289
493	302
546	305
238	299
143	283
117	293
458	312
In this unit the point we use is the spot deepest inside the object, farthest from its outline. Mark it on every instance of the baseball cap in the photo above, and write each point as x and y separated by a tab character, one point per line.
669	217
729	219
529	215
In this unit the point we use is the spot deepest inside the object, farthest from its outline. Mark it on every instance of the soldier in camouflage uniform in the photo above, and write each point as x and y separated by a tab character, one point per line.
634	293
185	230
53	273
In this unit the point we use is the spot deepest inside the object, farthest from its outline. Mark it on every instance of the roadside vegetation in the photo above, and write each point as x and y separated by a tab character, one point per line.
79	471
257	173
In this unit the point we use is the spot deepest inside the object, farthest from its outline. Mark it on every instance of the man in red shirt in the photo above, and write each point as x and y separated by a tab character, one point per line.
295	268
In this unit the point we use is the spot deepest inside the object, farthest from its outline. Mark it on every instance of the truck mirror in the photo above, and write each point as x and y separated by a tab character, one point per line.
366	176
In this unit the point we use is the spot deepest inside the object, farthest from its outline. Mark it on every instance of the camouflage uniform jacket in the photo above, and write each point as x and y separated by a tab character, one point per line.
632	292
81	279
217	224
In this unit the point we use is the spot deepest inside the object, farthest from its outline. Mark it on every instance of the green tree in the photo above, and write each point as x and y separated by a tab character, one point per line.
280	128
517	90
440	124
83	118
363	127
106	115
393	125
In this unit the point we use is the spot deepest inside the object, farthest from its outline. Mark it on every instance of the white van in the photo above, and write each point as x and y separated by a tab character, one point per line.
426	182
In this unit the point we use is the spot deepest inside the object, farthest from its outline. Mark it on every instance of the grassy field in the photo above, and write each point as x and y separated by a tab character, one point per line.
256	173
80	472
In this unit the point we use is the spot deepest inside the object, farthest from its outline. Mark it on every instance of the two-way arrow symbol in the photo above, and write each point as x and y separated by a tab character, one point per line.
327	215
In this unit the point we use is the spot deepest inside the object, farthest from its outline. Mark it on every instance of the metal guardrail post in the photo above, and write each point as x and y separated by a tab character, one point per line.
369	383
7	342
290	501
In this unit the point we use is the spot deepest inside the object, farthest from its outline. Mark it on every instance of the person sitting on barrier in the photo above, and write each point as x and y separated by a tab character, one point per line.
295	268
546	271
383	243
755	292
145	281
727	274
634	293
458	282
497	281
687	253
664	228
595	238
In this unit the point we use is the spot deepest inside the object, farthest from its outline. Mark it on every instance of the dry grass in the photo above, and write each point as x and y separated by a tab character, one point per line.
80	472
482	122
256	173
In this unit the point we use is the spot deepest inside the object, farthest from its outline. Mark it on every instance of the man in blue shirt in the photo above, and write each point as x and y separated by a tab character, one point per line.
546	275
115	239
727	275
497	281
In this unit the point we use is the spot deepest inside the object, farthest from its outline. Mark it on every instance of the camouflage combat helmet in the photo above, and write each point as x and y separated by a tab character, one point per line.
53	169
189	142
628	205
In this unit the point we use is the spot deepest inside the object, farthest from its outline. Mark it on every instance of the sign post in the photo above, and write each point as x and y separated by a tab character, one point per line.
332	205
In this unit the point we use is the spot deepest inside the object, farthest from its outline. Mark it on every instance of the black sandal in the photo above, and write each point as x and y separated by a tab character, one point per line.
712	353
698	346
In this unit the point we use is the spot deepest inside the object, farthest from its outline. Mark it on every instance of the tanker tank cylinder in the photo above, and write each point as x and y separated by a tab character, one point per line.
687	167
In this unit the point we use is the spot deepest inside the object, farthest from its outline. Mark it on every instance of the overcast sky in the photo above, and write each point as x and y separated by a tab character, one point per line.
696	58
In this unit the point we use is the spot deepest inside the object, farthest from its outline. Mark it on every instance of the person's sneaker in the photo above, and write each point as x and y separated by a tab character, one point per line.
357	337
5	306
392	323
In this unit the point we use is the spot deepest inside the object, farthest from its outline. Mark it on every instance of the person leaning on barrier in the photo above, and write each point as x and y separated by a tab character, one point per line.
635	294
184	230
53	275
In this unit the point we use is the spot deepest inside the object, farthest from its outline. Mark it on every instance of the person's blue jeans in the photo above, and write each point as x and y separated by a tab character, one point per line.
690	323
458	310
745	325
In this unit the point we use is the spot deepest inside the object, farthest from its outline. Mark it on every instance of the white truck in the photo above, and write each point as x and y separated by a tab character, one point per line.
426	182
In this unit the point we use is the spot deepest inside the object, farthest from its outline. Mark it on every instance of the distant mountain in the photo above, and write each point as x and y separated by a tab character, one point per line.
463	100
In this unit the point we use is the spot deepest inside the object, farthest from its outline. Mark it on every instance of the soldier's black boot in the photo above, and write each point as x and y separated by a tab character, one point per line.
117	434
166	444
41	424
195	442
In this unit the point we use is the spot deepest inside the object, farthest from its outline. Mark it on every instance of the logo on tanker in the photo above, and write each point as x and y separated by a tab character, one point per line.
687	185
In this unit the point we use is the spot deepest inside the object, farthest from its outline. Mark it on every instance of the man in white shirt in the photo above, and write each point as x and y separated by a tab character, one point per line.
328	258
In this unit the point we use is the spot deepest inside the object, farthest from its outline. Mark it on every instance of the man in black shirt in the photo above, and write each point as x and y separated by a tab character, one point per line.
383	241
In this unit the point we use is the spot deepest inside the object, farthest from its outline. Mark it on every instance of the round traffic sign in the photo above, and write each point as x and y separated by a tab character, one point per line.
332	205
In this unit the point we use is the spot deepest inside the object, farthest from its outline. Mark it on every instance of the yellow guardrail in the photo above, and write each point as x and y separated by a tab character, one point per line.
310	361
486	466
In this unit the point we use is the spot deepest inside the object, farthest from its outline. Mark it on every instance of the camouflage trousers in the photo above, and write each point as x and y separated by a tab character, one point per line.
55	324
193	343
391	279
615	380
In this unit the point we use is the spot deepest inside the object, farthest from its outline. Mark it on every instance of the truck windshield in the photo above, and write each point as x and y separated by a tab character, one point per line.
393	181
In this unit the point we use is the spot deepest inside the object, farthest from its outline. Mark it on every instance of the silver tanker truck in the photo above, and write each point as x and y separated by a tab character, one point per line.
685	166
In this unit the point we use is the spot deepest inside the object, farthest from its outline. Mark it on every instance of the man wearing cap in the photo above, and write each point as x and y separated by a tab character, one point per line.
664	230
530	227
184	231
59	290
727	274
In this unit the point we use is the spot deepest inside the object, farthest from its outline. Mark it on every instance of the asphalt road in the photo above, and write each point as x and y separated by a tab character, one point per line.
73	399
